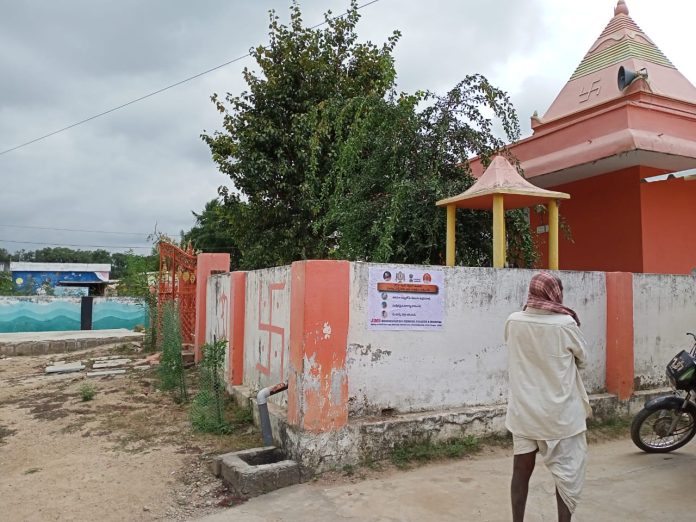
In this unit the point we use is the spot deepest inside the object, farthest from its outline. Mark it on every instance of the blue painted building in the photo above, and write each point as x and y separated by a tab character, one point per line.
60	278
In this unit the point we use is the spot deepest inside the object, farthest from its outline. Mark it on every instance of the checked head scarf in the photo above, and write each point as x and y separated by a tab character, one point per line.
546	293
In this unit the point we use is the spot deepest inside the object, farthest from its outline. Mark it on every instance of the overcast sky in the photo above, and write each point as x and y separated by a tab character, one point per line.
61	62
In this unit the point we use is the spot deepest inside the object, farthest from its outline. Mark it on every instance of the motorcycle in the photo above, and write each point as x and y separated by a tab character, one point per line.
667	423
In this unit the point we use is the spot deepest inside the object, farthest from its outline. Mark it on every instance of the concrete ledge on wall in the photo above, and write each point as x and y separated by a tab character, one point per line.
372	438
41	343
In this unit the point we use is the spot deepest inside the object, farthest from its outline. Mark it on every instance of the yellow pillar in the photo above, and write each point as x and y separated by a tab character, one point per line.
451	226
498	231
553	234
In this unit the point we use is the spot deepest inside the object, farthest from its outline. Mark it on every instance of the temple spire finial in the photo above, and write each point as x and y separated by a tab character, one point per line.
621	8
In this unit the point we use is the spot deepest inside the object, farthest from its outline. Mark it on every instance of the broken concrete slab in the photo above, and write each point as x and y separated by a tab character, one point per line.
110	364
108	358
142	367
105	373
65	368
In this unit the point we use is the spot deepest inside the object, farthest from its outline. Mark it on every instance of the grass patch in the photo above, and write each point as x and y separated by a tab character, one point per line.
370	463
425	450
87	391
608	428
501	440
241	416
31	471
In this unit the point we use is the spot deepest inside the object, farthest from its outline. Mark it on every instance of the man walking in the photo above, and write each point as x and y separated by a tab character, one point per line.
548	404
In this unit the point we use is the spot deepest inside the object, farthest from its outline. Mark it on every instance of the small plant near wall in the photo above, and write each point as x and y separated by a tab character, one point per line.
171	368
208	409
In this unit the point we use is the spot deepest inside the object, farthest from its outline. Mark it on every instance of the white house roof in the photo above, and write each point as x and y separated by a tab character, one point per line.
22	266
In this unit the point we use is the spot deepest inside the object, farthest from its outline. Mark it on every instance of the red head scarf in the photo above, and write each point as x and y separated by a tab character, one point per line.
546	293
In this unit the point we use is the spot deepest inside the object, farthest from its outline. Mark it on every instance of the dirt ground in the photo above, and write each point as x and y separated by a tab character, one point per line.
130	453
127	454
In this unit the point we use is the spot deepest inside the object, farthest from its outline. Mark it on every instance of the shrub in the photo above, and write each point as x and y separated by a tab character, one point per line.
171	368
87	391
208	409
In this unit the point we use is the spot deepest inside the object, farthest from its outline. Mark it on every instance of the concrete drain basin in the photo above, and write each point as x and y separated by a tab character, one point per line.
256	471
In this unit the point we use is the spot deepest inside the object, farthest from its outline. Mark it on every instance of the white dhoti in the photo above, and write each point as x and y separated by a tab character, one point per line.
566	459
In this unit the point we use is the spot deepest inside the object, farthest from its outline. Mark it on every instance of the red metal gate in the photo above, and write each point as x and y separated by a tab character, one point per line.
177	282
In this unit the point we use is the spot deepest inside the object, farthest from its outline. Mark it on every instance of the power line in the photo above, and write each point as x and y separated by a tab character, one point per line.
72	245
82	230
158	91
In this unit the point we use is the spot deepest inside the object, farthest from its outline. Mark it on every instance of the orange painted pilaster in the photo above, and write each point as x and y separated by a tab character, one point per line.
205	265
620	360
318	384
237	316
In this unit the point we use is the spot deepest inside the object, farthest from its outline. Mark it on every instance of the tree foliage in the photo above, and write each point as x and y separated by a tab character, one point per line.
135	274
394	161
63	255
7	286
327	159
216	228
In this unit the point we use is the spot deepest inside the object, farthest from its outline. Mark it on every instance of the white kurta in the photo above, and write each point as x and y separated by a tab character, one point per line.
547	399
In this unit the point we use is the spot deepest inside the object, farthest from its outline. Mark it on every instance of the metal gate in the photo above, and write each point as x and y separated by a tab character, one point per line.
177	282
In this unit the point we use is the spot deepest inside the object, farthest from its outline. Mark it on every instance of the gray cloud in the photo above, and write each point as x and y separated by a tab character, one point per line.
63	61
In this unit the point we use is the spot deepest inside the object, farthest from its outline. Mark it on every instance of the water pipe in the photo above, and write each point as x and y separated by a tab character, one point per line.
264	418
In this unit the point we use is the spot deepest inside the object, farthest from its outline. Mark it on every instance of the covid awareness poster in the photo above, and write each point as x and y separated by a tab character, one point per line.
403	298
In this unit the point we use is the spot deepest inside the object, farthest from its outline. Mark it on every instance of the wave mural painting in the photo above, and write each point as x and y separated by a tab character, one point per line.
39	314
118	312
50	314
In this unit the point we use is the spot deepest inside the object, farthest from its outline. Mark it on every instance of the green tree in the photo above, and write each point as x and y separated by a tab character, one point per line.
63	255
268	128
327	159
216	228
394	160
134	280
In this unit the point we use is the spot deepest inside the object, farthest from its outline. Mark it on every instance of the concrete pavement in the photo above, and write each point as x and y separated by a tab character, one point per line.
39	343
622	484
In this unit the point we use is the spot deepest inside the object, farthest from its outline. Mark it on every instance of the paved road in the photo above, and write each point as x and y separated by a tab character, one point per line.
623	484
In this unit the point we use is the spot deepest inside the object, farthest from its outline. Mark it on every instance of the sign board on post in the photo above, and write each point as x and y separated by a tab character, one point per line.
403	298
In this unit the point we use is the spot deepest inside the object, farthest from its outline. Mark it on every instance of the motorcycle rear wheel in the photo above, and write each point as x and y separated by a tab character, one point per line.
650	429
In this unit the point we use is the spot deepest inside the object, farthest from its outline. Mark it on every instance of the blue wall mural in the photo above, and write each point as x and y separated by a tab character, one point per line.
50	279
39	314
46	314
118	312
